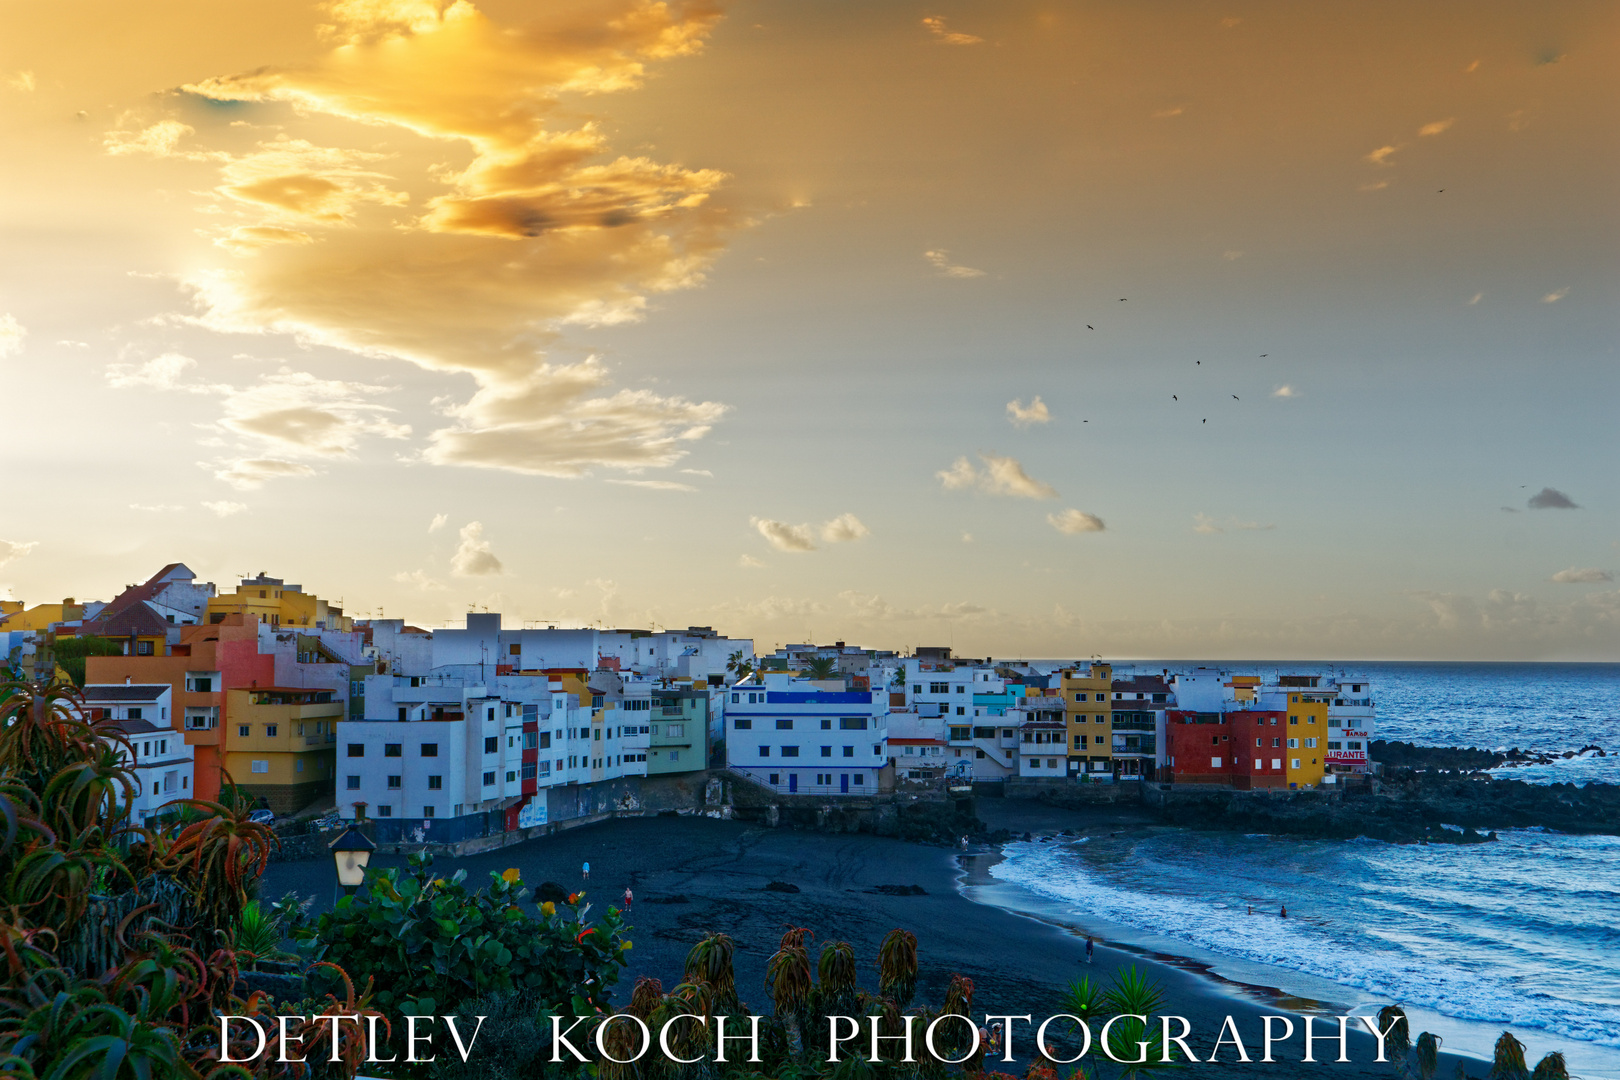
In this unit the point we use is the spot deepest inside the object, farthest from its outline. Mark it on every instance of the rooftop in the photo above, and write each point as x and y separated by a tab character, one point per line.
98	692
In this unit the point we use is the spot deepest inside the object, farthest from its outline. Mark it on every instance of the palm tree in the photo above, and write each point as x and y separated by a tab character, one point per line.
739	664
822	667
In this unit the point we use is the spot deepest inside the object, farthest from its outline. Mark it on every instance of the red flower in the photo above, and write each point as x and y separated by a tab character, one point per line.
581	939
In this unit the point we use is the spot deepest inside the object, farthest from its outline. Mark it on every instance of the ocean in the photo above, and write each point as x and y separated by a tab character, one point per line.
1521	933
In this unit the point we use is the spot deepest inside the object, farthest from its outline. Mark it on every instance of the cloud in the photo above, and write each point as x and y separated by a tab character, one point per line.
1551	499
843	529
547	424
944	36
870	606
1382	155
420	579
1164	114
296	412
1510	509
223	508
1021	415
1590	575
1000	476
698	472
439	521
1205	525
1437	126
1555	296
475	266
1475	299
248	474
940	260
1074	522
784	537
1285	391
12	333
748	562
655	485
12	550
157	508
23	80
1232	255
473	557
1376	185
159	373
967	538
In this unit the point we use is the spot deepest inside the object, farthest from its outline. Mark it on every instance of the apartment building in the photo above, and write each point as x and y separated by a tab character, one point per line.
1085	695
155	753
800	737
282	746
1137	707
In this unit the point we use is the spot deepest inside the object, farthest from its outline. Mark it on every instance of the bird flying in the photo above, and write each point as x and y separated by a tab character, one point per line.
1236	398
1090	327
1174	398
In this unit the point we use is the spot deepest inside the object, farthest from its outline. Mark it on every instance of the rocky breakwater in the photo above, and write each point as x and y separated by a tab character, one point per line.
1410	755
1412	806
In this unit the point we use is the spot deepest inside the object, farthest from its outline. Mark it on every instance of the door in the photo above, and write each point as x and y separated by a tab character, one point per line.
793	782
843	783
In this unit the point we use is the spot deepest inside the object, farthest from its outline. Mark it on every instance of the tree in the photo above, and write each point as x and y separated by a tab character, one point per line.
70	653
740	665
822	667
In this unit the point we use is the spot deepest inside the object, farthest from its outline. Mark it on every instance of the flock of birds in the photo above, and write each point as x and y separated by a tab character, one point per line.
1200	363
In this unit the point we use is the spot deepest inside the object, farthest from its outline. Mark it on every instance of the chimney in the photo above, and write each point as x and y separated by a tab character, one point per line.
128	679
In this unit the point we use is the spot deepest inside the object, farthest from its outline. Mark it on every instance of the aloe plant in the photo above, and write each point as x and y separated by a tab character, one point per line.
1428	1055
897	966
1551	1067
1507	1063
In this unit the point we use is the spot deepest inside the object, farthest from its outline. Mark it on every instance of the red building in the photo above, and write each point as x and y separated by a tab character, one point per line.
1243	749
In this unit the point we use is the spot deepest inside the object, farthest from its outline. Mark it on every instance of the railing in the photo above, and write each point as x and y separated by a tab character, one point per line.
1134	725
672	710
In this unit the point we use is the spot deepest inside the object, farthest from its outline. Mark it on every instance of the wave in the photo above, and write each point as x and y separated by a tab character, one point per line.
1398	962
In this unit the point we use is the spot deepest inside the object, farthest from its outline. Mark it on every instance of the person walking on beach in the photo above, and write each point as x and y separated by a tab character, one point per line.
586	871
627	898
1091	943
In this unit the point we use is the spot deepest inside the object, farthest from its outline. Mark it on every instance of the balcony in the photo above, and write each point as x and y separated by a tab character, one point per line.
671	710
1134	725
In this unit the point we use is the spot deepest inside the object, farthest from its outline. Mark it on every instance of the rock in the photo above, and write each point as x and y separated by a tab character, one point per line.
677	898
899	890
552	892
781	886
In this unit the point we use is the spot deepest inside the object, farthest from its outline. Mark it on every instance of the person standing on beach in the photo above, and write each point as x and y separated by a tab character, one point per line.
586	871
1091	944
627	898
1285	911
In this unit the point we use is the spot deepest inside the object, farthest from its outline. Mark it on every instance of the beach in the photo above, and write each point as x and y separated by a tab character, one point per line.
691	876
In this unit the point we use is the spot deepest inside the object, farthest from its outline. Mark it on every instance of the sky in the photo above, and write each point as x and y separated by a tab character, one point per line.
1208	330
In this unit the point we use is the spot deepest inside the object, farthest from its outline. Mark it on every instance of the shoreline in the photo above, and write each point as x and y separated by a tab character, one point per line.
1261	984
694	875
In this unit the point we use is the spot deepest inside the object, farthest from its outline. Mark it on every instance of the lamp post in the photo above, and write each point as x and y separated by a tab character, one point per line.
351	852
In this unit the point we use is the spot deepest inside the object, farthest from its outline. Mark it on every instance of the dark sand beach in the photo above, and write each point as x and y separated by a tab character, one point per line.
692	875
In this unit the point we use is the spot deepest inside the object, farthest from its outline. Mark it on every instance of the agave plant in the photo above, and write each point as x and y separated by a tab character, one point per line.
787	973
1398	1043
1508	1061
1551	1067
1084	999
1134	991
1428	1055
897	966
710	960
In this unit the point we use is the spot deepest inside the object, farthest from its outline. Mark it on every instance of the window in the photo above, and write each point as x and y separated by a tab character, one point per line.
1334	744
430	749
784	725
260	765
531	740
492	745
764	751
1296	763
734	698
1352	746
939	688
391	749
393	783
1293	744
1215	740
404	714
917	689
826	751
826	725
849	751
1079	740
1098	718
1214	762
352	782
877	749
357	749
531	770
742	723
853	723
199	684
143	648
427	811
596	734
243	730
790	751
514	649
270	731
385	810
984	733
1275	742
776	778
545	740
511	774
435	783
675	731
961	689
1293	719
1097	739
1310	744
959	734
859	779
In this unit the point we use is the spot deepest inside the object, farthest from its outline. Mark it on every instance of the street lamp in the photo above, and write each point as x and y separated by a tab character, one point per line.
351	852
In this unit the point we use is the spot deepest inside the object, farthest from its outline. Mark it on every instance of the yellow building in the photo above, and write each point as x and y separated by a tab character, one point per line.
13	616
1307	738
1245	689
1085	703
276	603
282	743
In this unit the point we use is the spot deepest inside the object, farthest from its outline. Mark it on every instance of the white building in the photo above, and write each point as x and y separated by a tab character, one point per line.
801	737
1350	725
156	753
